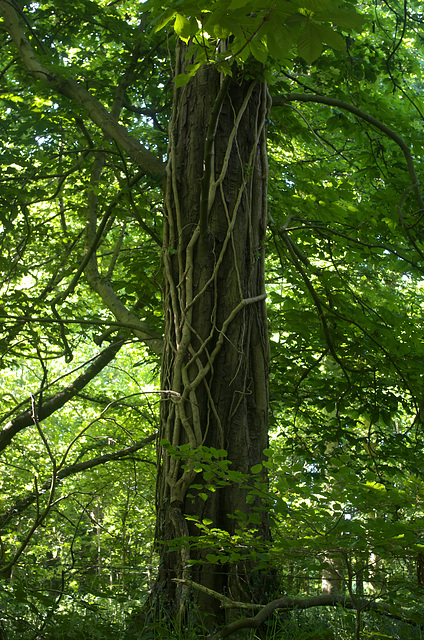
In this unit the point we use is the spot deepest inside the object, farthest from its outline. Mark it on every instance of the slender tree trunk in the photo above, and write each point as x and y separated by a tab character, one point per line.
215	362
332	575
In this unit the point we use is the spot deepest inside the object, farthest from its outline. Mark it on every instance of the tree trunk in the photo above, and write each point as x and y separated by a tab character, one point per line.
332	576
215	362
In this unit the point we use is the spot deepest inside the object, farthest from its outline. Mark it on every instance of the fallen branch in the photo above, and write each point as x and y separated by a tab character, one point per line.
288	604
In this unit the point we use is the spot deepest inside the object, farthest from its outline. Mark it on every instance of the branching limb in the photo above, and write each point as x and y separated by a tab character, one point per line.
100	284
289	604
282	100
97	237
20	506
52	404
71	89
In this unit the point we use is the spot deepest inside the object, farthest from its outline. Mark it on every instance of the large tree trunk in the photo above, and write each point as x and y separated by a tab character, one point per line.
215	363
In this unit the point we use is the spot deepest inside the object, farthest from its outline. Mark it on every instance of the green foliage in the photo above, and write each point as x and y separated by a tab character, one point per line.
86	567
250	28
345	263
214	474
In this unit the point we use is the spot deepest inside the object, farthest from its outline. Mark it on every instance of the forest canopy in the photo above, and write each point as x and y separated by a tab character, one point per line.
211	315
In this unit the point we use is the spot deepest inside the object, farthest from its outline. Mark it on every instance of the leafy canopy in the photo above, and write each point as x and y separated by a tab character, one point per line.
279	29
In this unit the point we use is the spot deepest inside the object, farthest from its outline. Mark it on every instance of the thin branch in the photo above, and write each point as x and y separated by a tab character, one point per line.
115	324
296	256
50	486
71	470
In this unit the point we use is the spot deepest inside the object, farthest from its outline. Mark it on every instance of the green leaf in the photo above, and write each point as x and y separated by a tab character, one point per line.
213	559
314	5
221	453
163	20
257	468
309	43
279	43
237	4
181	25
344	18
258	50
182	79
331	37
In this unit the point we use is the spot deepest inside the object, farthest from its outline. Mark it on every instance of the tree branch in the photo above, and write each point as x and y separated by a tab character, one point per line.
72	469
288	604
101	285
97	113
282	100
53	403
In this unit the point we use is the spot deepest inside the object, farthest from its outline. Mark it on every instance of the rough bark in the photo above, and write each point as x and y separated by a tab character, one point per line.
215	362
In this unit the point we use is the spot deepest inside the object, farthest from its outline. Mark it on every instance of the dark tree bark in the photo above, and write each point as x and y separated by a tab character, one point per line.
215	362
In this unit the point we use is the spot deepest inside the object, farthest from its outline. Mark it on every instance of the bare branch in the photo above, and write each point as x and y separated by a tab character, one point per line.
288	604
